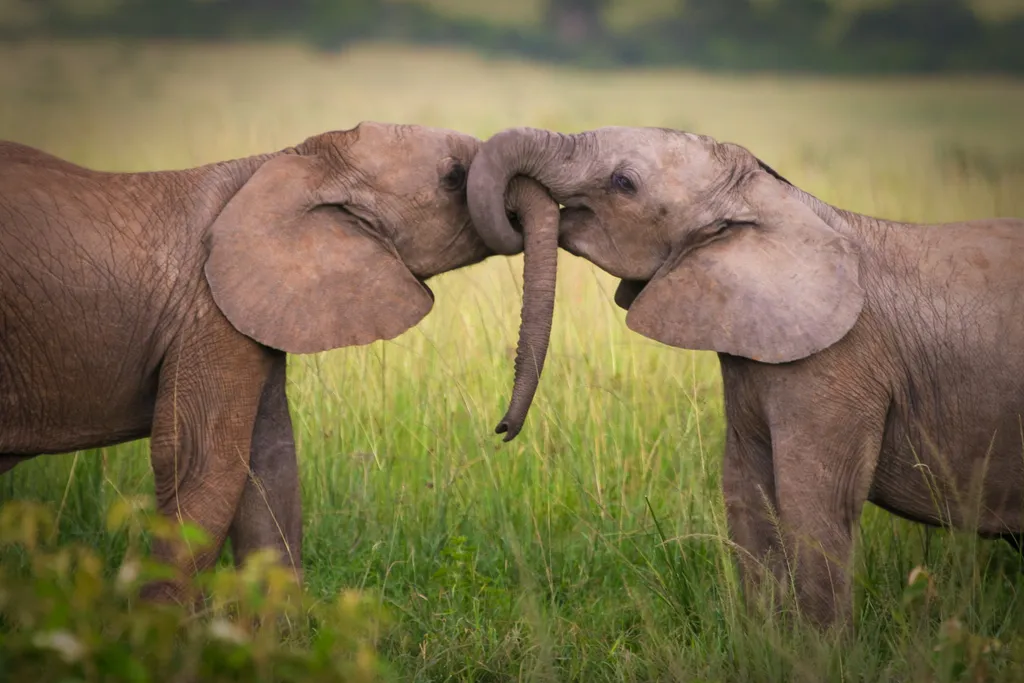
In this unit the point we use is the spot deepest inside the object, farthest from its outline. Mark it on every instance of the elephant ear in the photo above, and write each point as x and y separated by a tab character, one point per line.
779	287
301	275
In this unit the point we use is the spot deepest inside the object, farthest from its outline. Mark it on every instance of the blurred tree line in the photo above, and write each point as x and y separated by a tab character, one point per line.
806	35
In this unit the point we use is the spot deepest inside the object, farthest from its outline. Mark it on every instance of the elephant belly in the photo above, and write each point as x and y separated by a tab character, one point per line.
59	427
67	385
82	335
953	448
968	480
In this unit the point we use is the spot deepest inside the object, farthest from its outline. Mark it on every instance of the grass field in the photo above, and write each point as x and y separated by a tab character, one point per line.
594	546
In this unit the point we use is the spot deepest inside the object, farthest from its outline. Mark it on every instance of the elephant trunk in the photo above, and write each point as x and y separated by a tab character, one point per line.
539	154
538	213
553	160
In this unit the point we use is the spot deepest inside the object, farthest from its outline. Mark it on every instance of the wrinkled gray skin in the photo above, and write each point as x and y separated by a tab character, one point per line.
162	304
862	359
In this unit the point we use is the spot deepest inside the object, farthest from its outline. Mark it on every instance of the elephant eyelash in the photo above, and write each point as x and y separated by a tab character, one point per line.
455	179
623	183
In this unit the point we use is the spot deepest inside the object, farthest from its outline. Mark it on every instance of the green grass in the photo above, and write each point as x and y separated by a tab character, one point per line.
593	547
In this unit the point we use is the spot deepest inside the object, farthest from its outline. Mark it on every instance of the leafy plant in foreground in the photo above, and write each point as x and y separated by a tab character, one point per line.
62	619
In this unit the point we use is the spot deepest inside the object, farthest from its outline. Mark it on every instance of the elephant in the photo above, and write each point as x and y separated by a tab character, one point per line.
164	304
862	359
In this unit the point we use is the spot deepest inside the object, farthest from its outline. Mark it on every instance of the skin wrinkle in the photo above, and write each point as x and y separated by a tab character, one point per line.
161	293
541	217
449	250
908	327
869	354
272	474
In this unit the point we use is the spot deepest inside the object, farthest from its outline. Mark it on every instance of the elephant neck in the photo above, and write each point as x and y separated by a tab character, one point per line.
229	176
836	219
220	181
207	188
848	223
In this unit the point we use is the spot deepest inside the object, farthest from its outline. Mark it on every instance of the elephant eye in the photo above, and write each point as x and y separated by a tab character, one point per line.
455	179
623	183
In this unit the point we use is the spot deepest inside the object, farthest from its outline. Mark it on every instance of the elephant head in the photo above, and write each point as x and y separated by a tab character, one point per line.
330	243
715	250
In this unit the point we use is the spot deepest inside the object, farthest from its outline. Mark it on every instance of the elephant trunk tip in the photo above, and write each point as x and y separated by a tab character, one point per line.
510	428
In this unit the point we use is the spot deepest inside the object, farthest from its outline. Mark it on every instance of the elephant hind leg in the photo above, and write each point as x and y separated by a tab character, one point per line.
748	484
207	400
269	514
825	457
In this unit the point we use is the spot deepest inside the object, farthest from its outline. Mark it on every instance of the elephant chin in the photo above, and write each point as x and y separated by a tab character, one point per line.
627	292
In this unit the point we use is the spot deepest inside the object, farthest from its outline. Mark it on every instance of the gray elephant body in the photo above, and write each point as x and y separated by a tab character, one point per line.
917	409
94	296
932	369
163	304
862	359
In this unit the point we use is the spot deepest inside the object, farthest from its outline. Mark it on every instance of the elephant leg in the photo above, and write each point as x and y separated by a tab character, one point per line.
269	514
824	457
209	391
748	484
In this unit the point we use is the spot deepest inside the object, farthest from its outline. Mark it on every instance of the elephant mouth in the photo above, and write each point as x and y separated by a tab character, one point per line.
628	291
573	220
423	283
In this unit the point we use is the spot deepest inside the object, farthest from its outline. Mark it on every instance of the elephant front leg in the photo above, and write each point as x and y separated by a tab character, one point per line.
269	514
209	392
824	460
748	484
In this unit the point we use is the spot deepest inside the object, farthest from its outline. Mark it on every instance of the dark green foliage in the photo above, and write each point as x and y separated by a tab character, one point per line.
64	616
803	35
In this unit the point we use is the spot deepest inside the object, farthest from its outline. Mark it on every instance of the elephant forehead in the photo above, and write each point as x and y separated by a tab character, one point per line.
406	166
653	149
638	137
412	142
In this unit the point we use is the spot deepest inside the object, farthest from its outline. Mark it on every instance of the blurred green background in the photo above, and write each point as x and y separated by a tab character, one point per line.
815	35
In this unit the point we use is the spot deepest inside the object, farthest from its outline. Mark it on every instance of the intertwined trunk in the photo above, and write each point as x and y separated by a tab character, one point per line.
514	156
539	218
